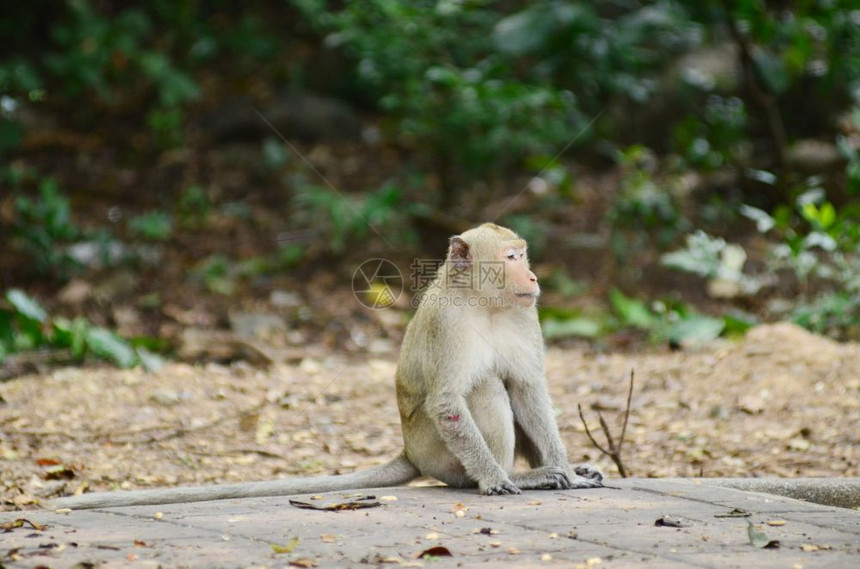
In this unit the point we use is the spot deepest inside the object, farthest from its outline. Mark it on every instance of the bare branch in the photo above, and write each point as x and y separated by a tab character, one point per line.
626	412
614	451
588	432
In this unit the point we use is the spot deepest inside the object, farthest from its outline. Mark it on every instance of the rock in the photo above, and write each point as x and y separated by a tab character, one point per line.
75	292
813	156
255	326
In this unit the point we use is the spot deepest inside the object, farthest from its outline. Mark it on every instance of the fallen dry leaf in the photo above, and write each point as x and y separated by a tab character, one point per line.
339	506
286	548
810	547
734	513
9	526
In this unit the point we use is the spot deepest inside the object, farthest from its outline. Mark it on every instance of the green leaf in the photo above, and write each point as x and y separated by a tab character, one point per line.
108	345
632	312
695	328
72	334
582	327
826	215
737	323
149	360
26	306
155	225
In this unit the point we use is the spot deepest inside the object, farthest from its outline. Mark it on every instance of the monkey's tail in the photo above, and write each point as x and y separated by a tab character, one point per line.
393	473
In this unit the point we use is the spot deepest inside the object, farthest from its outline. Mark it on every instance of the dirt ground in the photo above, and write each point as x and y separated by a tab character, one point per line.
780	402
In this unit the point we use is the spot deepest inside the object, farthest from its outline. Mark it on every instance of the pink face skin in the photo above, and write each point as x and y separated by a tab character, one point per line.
519	279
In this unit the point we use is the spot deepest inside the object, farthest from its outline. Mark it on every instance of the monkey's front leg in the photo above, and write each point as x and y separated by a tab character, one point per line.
533	412
458	430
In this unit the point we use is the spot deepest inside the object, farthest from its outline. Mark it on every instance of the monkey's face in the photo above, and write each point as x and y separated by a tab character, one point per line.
520	282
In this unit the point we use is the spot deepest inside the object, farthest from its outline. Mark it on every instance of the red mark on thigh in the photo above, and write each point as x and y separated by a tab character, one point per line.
453	418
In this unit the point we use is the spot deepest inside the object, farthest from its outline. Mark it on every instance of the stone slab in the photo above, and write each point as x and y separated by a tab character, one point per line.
611	527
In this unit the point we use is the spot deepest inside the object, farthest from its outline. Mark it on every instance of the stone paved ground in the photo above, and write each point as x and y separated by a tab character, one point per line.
605	528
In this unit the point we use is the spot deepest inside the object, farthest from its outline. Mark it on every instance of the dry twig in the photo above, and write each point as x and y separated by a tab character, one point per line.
614	450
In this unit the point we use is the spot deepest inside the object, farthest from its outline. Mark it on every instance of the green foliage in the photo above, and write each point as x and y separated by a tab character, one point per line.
343	218
102	55
193	206
155	226
663	322
564	323
816	40
645	211
820	245
817	243
850	152
434	69
19	76
713	137
630	311
713	259
217	274
10	134
43	227
572	44
222	275
562	283
668	322
581	327
26	326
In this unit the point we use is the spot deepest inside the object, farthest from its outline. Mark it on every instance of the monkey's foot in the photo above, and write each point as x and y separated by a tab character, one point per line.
499	488
588	471
542	478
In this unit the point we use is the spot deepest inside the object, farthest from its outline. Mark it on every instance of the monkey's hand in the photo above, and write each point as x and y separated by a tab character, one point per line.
498	487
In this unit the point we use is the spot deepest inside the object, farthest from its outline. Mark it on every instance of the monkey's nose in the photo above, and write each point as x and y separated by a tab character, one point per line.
532	277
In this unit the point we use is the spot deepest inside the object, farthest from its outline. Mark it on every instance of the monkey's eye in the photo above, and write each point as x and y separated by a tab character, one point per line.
512	256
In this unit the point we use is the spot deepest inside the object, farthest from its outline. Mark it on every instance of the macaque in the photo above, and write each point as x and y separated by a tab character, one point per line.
471	391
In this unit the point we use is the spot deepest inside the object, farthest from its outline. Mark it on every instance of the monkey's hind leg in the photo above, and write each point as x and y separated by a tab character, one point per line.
542	478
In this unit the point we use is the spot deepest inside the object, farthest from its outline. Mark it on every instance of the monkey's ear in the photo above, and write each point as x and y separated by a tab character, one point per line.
459	254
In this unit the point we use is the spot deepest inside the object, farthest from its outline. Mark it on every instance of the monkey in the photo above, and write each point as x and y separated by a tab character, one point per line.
471	391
